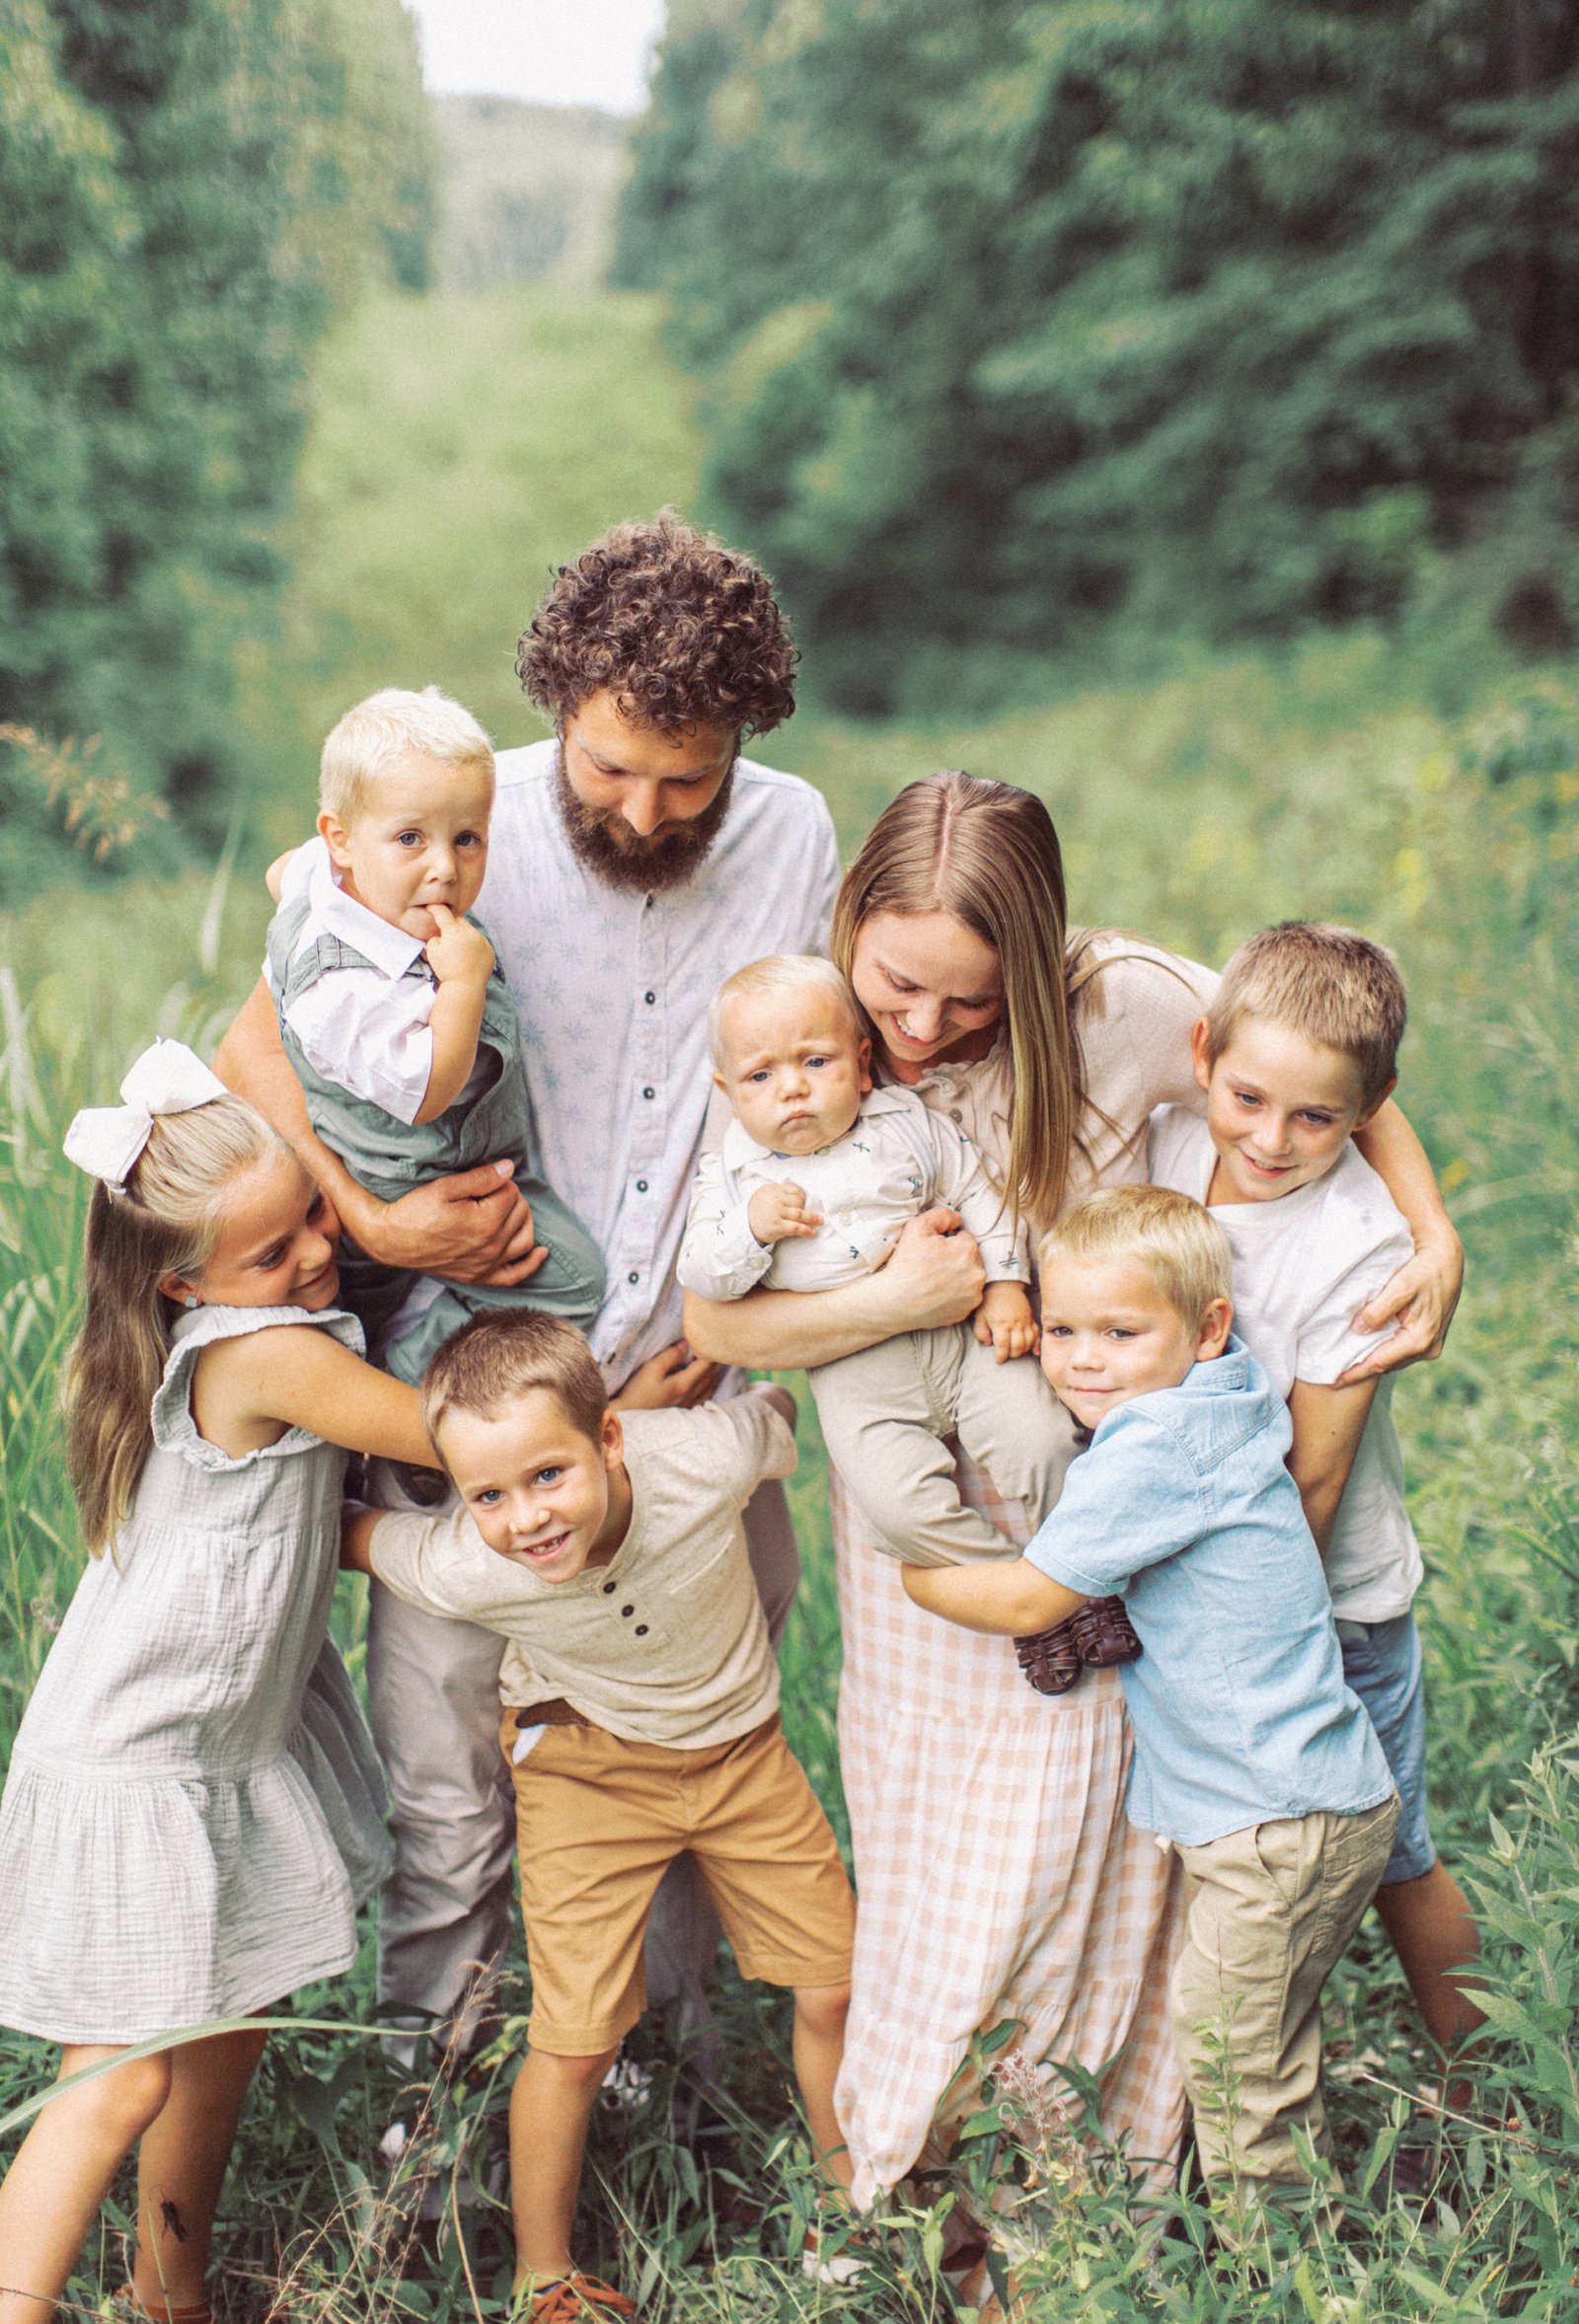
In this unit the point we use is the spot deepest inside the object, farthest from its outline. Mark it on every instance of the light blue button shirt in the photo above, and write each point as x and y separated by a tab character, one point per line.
1184	1505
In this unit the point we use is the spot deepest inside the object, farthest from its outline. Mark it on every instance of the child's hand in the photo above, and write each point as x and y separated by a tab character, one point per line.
1004	1321
460	953
778	1212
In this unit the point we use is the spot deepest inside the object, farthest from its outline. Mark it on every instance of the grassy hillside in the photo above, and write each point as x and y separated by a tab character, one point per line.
461	449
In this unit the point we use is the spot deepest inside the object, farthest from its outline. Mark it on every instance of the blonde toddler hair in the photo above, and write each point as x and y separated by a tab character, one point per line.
779	972
1324	982
392	726
1176	1238
498	1357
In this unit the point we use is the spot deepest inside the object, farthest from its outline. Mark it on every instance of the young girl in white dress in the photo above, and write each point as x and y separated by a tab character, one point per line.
193	1810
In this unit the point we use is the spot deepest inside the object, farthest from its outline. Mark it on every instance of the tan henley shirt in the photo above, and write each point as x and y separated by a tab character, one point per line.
665	1644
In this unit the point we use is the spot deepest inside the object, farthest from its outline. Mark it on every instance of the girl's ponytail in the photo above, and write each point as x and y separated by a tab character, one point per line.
166	1220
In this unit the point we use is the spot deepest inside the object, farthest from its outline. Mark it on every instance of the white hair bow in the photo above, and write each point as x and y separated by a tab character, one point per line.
106	1140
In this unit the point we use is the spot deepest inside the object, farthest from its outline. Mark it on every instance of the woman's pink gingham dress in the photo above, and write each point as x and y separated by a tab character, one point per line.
997	1872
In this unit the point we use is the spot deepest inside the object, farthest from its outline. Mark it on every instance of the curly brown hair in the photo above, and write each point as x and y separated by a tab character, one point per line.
683	633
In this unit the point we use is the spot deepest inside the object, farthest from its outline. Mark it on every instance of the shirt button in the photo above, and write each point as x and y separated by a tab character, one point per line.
608	1589
640	1185
957	1115
633	1277
640	1629
650	1092
649	998
627	1610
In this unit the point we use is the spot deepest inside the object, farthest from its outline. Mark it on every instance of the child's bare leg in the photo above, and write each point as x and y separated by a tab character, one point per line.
819	2048
550	2106
182	2167
1433	1933
62	2171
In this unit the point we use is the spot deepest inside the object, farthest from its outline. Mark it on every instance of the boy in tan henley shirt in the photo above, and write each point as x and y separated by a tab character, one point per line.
641	1723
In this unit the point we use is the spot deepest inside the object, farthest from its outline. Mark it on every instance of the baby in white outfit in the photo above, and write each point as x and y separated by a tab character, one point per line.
816	1176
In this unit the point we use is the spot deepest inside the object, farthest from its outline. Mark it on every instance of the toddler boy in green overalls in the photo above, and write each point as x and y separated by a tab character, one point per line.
393	1014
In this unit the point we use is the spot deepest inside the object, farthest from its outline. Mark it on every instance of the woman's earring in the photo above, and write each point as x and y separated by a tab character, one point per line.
191	1300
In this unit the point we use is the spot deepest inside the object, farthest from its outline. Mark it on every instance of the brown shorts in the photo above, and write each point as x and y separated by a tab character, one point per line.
599	1820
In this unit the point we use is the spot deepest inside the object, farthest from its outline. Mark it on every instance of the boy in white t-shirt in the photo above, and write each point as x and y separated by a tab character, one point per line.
1296	1053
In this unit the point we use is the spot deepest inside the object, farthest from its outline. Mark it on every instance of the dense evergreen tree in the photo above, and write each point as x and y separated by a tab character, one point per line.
187	188
1228	311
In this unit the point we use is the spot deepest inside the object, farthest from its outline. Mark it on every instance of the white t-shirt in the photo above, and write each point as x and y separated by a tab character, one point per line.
896	1160
1304	1266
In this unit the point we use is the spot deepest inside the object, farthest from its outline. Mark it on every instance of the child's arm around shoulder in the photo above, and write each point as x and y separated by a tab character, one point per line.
1012	1599
250	1389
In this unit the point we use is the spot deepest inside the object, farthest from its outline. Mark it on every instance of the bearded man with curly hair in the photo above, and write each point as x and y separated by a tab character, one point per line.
635	861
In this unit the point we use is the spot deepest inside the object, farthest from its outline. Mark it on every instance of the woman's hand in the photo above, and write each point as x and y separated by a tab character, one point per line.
1420	1298
934	1274
673	1377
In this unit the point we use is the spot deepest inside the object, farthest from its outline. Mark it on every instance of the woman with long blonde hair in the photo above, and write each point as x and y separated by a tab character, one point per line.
998	1875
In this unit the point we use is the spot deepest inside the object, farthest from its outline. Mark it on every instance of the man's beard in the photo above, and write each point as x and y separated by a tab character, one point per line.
621	857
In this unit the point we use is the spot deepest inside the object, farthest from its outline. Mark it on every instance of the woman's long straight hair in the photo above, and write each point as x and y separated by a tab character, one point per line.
987	854
167	1220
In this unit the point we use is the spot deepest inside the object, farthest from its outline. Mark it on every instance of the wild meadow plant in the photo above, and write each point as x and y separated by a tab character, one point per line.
1460	845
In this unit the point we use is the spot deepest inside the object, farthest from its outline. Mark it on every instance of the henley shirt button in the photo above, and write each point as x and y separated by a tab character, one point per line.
640	1185
650	1092
608	1589
640	1629
633	1277
627	1609
649	998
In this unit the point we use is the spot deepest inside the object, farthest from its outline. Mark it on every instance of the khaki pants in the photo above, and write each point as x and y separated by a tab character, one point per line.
886	1413
445	1914
600	1821
1267	1914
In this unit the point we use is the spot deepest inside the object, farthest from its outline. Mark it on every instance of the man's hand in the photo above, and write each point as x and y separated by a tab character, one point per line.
779	1211
670	1379
473	1227
933	1275
1005	1321
459	953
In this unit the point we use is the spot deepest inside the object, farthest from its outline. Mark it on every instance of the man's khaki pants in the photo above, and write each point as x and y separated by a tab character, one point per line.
1268	1912
445	1912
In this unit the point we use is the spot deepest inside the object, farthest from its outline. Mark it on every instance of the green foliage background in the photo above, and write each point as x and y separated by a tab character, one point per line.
1408	774
1221	314
187	195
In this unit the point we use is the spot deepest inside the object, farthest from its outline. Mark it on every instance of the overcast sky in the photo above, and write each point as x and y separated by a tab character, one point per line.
556	51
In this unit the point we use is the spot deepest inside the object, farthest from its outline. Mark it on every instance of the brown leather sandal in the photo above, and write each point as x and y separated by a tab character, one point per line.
1103	1633
1050	1659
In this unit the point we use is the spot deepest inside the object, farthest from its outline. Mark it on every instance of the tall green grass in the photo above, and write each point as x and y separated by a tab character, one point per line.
458	450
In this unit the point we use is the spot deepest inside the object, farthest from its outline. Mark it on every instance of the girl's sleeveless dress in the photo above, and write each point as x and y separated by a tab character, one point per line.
195	1809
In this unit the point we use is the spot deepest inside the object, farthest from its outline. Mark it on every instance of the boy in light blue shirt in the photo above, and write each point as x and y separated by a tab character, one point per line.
1251	1754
